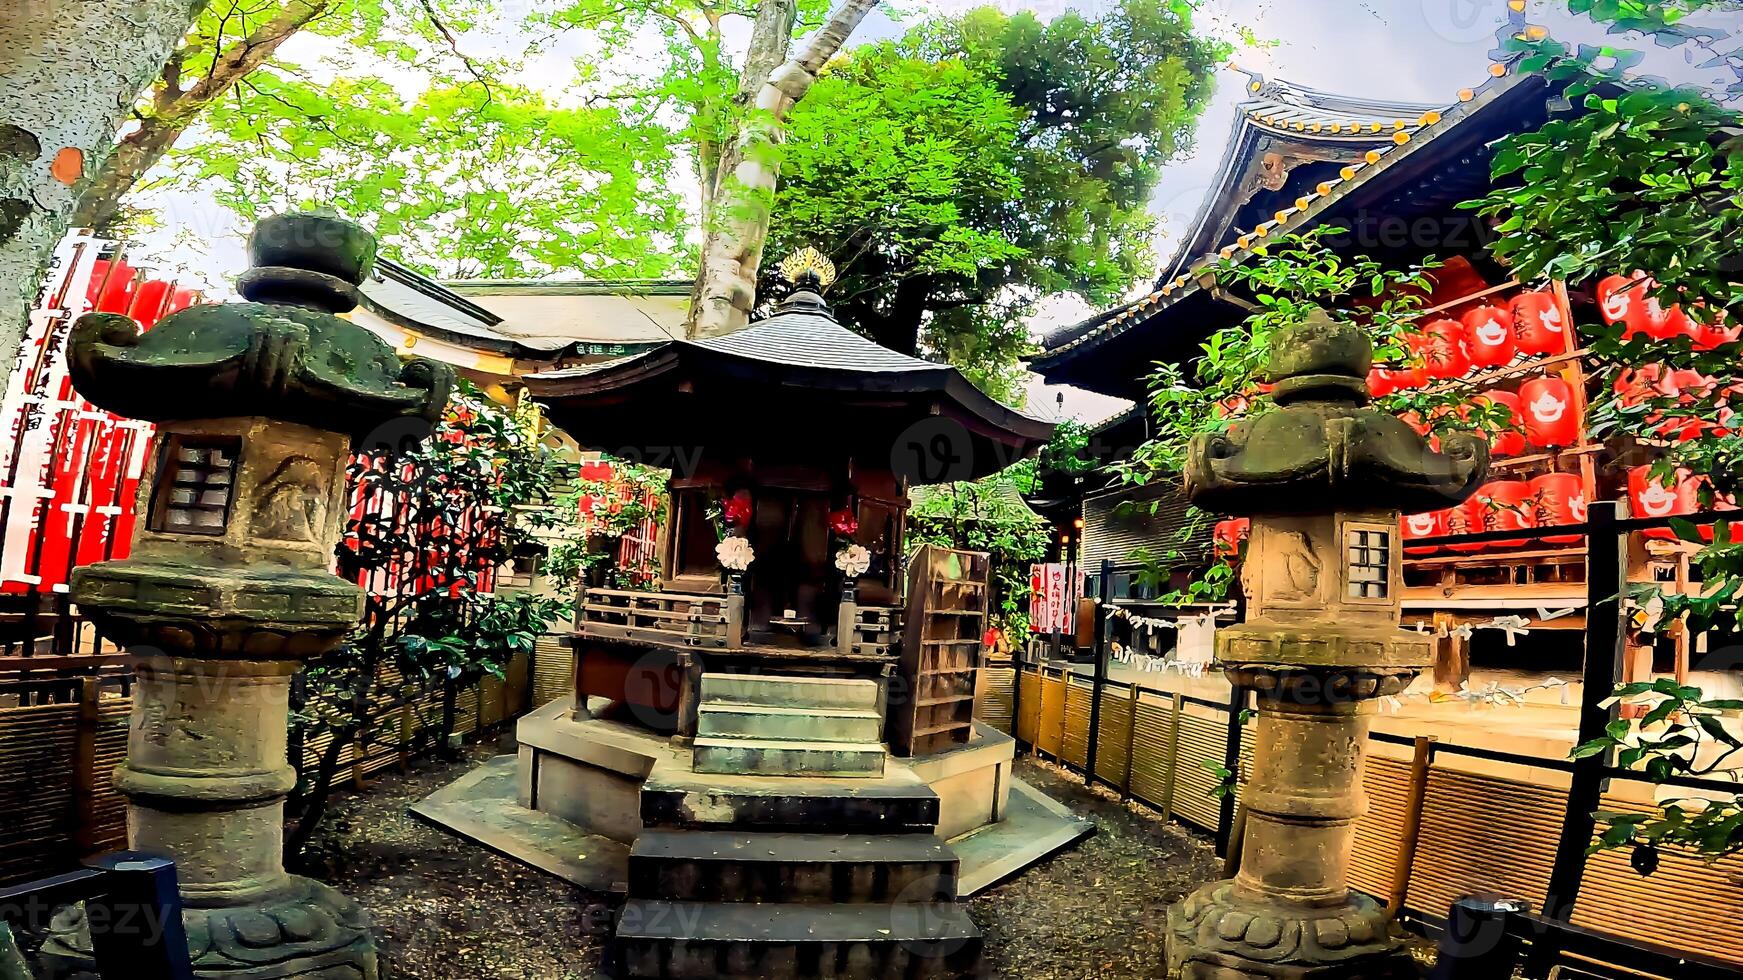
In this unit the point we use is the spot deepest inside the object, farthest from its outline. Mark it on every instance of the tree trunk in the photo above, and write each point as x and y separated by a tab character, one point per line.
72	70
769	38
732	244
174	109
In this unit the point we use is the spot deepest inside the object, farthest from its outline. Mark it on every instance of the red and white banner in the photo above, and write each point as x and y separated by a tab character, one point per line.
69	471
1052	600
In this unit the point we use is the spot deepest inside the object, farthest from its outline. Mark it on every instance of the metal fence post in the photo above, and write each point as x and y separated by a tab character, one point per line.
1103	623
1606	634
136	924
1225	820
1475	945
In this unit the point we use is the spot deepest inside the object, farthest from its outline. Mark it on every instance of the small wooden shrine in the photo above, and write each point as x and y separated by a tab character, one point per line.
792	445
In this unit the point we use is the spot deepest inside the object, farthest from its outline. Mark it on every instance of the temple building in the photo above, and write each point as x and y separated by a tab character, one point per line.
1392	176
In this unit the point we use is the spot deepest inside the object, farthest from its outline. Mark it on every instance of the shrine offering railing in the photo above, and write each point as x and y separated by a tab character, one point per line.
869	631
681	618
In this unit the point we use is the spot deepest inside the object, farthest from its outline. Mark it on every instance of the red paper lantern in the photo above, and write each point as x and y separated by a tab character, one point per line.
1229	534
1550	416
1619	295
1488	335
1710	335
1380	383
1505	505
1509	441
1429	524
1537	324
1464	519
1441	346
1648	317
1560	499
1650	498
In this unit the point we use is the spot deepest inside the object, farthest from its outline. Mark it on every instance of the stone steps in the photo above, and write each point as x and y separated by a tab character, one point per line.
793	692
897	803
744	940
788	757
728	719
729	866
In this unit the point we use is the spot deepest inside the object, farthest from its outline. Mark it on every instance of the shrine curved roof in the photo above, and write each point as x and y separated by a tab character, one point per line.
798	352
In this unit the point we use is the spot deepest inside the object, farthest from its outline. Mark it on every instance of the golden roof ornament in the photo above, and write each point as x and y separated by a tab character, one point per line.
808	264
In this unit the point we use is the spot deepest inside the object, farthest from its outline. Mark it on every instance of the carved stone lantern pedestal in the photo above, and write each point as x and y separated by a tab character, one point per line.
1323	478
229	588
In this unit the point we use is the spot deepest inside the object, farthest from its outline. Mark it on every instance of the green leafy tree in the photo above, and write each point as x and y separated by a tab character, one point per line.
983	161
429	629
232	51
1646	181
986	515
464	182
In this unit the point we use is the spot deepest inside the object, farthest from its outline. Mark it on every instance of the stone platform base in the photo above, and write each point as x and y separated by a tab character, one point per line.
573	802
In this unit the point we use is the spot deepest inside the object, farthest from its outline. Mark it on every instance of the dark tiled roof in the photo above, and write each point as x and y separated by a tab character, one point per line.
798	337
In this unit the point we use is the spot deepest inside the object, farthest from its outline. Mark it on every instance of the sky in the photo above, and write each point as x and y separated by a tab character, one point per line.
1410	50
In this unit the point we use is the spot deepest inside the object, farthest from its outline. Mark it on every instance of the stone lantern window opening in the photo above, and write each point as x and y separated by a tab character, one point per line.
1368	561
196	483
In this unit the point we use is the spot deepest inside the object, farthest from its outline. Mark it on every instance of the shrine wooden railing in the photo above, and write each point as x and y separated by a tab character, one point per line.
869	631
674	618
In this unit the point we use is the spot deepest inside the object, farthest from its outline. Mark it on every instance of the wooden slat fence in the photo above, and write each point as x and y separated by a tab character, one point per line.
1472	828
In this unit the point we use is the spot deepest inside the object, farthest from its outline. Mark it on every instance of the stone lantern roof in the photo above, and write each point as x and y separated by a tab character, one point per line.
285	355
1324	449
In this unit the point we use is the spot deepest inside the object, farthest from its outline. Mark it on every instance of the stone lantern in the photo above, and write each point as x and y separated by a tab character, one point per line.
230	588
1324	477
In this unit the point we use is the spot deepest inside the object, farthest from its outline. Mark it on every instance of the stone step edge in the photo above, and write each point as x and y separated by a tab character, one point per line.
787	745
793	847
753	708
653	919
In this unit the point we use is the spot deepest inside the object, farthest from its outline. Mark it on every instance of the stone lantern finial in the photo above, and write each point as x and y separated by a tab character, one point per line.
1323	477
229	587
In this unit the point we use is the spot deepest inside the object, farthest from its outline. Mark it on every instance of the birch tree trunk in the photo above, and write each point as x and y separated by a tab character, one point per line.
732	241
72	69
769	38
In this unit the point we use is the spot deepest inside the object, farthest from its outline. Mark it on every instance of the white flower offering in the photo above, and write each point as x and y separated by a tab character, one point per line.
735	554
853	560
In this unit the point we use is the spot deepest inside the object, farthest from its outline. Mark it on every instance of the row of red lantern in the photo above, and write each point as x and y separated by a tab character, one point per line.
1486	336
1542	413
1550	500
1649	382
1625	300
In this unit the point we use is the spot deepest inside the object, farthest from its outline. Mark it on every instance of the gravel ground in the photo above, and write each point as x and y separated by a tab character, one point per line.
443	907
1098	909
447	909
